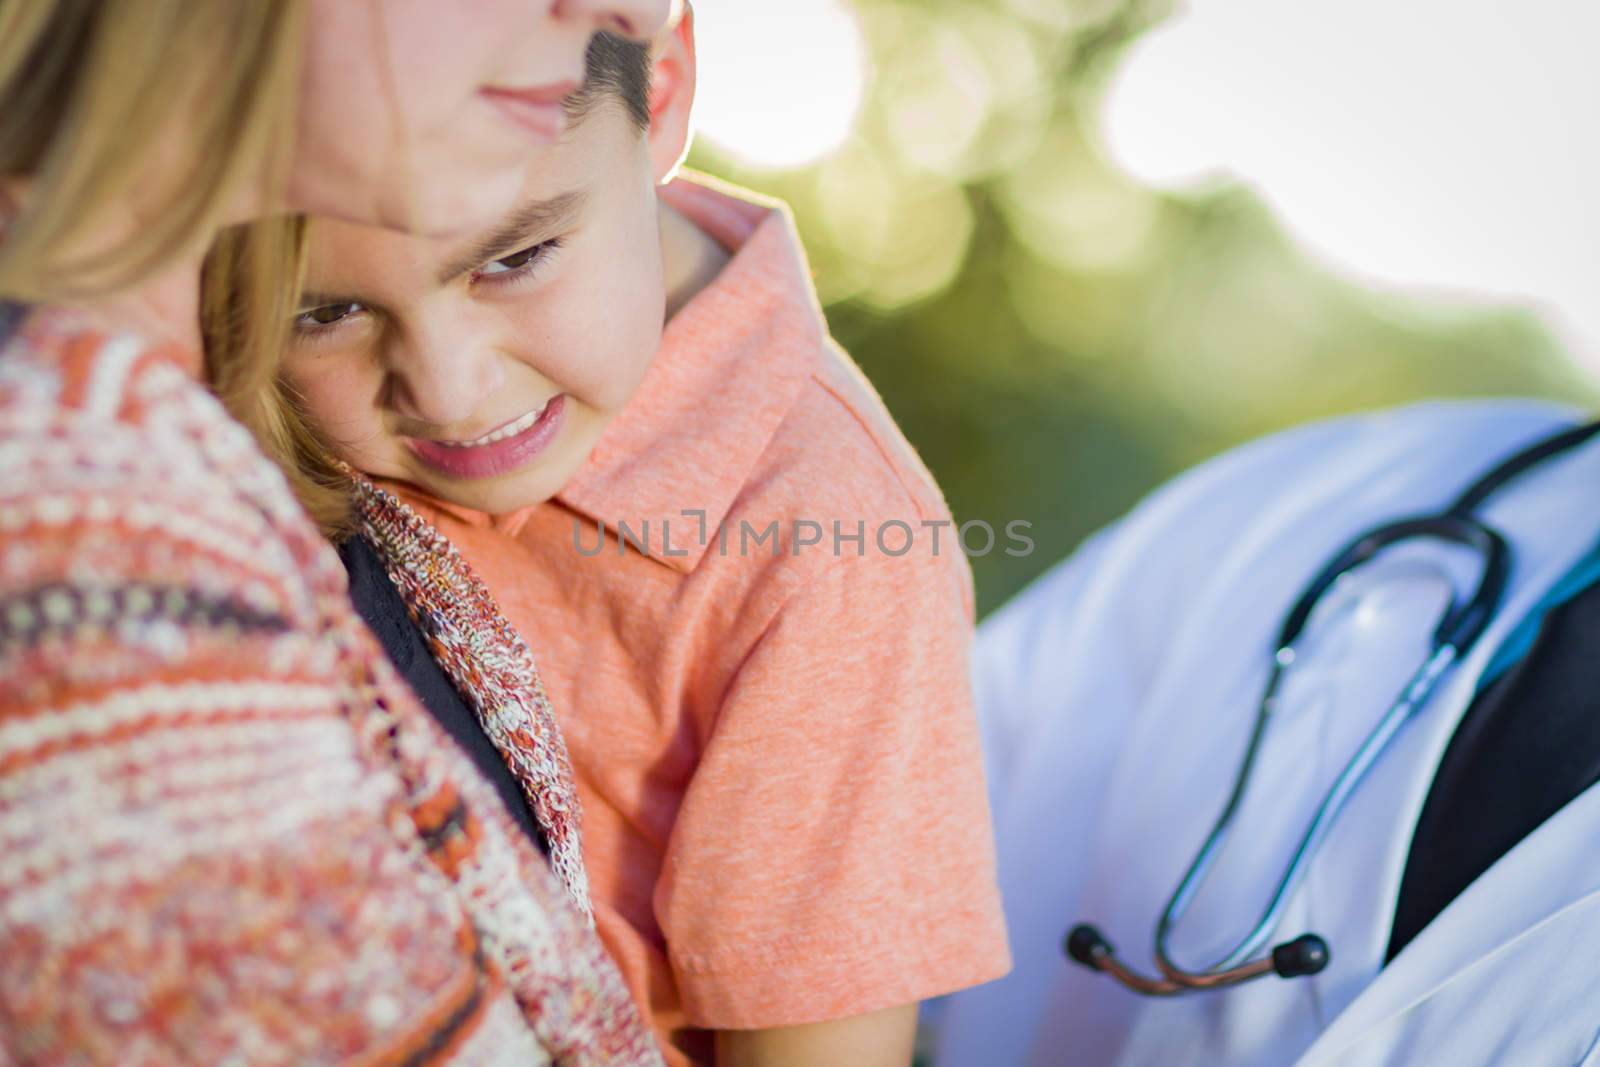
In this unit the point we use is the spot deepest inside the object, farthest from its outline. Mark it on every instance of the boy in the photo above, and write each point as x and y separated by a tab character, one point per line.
761	670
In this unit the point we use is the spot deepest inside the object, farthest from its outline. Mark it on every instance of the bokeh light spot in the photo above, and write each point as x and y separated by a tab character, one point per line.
1436	145
780	81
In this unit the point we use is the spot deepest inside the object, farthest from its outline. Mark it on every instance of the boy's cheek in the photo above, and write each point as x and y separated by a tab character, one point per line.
601	355
620	369
635	332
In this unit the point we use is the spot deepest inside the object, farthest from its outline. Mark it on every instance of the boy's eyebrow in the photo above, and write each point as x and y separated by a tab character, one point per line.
533	217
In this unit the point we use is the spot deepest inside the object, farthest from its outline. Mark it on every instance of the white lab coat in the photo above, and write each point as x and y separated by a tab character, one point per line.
1117	692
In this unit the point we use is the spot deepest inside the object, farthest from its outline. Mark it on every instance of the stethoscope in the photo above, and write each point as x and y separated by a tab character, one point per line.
1459	628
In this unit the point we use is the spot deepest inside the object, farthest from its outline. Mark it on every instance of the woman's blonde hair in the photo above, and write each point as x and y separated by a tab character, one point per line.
100	100
174	108
249	288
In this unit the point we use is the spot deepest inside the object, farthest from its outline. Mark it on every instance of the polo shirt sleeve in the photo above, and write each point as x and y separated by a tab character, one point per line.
834	854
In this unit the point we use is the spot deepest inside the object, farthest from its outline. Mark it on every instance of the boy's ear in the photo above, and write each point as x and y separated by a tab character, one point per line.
672	83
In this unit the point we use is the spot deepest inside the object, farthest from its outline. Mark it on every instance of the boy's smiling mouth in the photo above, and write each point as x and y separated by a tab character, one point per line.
510	429
501	450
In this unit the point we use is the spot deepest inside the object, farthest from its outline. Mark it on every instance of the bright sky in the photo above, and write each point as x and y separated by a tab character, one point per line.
1444	144
780	80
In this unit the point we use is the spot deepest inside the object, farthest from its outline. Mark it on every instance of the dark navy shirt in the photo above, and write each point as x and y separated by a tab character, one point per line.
381	605
11	315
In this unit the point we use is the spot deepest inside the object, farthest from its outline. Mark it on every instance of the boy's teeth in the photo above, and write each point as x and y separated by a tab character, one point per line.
508	430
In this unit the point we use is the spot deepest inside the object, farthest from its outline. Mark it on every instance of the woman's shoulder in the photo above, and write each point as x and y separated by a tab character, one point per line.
65	378
118	465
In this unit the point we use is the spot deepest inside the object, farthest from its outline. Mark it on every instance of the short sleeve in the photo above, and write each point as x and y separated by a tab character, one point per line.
833	854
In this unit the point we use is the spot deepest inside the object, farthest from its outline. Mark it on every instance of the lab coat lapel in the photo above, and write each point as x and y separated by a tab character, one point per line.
1548	517
1505	975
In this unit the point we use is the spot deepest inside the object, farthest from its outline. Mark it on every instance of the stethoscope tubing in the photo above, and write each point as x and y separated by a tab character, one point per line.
1416	690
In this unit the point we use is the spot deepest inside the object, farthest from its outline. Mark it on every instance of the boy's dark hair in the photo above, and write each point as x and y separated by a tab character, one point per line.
618	68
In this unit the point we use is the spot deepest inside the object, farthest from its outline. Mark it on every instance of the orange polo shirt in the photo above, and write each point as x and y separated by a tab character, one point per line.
764	683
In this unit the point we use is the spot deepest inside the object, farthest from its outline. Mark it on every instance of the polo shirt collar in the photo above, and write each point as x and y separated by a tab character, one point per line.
730	365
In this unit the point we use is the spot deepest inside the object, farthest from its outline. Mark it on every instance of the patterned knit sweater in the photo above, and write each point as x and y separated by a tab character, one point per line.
228	834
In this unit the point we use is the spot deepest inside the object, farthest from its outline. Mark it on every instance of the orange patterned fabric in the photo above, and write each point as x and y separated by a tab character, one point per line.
228	833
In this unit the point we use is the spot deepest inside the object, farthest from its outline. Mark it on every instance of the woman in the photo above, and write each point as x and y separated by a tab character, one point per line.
227	833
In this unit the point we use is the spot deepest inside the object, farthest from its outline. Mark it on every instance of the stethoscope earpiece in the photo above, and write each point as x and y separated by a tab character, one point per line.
1086	945
1306	954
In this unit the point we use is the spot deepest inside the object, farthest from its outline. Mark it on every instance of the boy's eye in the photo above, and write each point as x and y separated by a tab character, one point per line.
517	260
327	314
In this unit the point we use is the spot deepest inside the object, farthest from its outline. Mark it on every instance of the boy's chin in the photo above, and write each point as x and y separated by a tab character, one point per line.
496	496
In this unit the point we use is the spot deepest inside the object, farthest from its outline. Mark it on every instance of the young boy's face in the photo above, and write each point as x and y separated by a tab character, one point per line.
484	370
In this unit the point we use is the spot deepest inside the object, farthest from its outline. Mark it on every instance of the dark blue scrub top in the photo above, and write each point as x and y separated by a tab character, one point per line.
1528	745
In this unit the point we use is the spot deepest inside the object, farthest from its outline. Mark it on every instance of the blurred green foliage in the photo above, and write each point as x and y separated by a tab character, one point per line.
1056	340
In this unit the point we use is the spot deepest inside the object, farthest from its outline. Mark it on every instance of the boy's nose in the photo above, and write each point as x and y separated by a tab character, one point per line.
641	19
444	386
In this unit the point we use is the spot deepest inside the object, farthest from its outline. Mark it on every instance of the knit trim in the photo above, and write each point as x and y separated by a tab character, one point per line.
489	664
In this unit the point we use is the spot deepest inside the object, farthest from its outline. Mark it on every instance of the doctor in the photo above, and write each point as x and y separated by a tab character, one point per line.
1457	888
